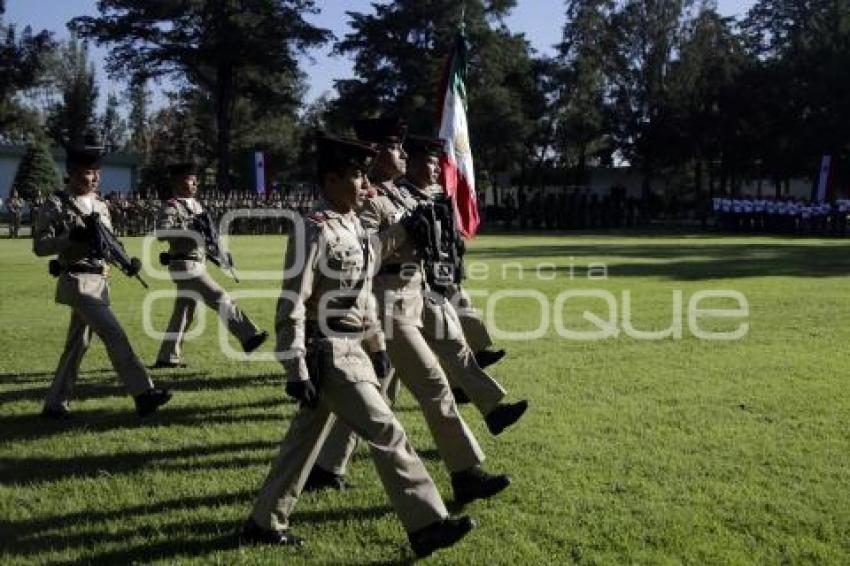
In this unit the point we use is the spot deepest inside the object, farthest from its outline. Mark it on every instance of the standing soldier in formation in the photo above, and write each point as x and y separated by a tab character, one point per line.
62	229
323	315
400	285
186	263
15	207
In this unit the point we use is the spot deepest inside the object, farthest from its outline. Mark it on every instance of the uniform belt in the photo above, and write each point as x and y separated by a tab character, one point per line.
335	325
99	270
391	269
165	258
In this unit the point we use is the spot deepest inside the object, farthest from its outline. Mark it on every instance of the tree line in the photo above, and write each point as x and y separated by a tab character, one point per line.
670	87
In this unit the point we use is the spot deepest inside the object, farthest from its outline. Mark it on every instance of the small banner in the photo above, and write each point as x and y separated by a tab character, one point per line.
260	172
823	181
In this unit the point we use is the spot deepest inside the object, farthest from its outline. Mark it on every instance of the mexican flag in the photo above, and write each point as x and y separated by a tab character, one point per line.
458	175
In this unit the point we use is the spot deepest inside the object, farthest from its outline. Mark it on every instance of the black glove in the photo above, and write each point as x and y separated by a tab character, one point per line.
303	391
135	267
381	362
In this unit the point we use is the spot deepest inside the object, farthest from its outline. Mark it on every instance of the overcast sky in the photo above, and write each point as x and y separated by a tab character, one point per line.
541	21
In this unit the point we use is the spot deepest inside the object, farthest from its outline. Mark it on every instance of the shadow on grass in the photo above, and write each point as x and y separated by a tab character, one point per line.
38	376
33	426
32	537
685	262
34	470
188	382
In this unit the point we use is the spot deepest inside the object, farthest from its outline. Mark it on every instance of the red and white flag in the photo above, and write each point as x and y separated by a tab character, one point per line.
458	174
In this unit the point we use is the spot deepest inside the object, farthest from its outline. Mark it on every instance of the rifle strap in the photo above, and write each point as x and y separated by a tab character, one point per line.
67	201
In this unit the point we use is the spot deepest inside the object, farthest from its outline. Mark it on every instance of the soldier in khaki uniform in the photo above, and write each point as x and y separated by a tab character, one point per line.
399	288
186	264
15	207
83	286
442	326
324	314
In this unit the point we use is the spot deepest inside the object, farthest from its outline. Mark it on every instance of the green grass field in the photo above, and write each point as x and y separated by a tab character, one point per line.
669	451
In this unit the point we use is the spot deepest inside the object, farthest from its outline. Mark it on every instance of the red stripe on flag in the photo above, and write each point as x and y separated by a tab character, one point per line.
466	208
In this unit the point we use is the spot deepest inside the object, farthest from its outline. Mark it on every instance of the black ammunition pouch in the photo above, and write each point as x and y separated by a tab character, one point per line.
166	258
404	270
313	356
440	275
55	268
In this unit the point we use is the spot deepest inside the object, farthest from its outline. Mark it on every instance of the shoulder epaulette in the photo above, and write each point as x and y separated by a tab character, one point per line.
318	216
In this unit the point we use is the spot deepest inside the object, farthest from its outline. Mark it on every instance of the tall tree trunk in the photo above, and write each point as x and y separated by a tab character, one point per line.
581	169
224	101
646	186
698	178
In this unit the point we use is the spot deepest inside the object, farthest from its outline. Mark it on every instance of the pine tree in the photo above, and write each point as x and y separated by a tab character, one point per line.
223	47
139	96
113	125
74	114
37	173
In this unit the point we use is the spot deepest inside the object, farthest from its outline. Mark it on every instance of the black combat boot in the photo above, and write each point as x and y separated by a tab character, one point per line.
58	413
441	534
255	341
148	402
252	533
505	415
475	483
487	358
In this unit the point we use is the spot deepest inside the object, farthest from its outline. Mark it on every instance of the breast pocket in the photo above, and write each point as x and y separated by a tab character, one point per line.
346	262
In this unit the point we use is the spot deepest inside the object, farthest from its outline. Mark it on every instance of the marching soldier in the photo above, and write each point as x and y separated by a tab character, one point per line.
399	286
441	325
61	229
323	315
186	259
15	207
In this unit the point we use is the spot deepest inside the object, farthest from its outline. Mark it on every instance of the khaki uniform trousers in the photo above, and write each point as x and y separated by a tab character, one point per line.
194	283
350	395
418	368
92	314
444	333
474	330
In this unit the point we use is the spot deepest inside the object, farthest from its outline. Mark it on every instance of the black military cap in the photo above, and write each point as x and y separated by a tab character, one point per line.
385	130
422	145
182	161
182	168
86	152
334	153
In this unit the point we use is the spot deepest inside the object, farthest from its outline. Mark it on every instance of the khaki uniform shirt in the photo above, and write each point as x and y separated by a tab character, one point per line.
176	215
53	225
400	293
326	274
